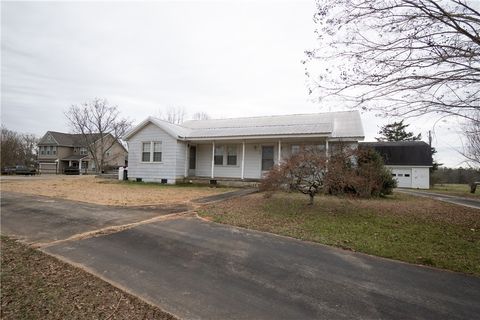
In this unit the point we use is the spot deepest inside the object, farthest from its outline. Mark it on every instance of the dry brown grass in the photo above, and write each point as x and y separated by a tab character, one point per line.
107	192
38	286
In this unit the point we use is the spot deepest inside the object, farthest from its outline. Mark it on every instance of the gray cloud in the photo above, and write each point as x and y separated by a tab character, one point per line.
225	58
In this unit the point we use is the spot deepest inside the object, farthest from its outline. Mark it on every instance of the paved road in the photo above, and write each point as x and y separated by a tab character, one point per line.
201	270
467	202
44	219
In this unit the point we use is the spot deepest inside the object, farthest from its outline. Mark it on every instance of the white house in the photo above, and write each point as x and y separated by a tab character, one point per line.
409	161
237	149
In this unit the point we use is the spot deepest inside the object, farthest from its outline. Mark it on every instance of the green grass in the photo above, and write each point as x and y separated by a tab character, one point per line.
456	189
401	227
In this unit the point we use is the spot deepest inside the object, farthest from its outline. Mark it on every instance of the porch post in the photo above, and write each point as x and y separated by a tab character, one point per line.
69	163
243	159
326	147
213	158
186	160
279	151
80	166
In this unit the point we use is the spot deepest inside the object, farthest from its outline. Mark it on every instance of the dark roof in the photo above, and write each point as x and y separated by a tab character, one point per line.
66	139
75	157
402	153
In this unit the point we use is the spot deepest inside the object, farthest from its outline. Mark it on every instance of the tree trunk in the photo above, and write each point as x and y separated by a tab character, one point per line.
311	199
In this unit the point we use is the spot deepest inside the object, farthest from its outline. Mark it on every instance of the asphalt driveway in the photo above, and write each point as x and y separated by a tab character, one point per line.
200	270
37	219
463	201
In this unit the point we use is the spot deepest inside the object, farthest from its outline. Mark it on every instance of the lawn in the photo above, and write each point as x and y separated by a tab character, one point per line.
109	192
38	286
462	190
412	229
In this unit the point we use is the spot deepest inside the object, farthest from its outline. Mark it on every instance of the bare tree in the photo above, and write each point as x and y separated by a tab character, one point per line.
201	116
399	57
304	172
100	125
17	148
471	131
174	115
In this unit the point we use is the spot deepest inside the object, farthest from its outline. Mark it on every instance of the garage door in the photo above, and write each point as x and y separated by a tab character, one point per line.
47	168
403	177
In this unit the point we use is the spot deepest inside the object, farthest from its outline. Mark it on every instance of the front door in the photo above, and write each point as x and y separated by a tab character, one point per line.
192	161
267	158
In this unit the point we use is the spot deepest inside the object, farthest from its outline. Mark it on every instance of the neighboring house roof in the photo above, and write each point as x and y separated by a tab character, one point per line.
332	124
402	153
74	157
65	139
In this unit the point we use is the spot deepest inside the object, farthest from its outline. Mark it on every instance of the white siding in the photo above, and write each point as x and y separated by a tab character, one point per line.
252	162
421	178
180	166
154	171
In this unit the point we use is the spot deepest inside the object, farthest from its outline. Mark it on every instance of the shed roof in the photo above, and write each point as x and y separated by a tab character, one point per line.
402	153
344	124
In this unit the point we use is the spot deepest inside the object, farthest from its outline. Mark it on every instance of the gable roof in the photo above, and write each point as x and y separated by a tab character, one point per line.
66	139
345	124
402	153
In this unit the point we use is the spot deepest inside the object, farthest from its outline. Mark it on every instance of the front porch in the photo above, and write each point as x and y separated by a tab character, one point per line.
241	161
223	181
75	164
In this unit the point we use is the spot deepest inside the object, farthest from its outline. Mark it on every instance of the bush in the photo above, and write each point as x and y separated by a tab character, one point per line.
360	173
304	172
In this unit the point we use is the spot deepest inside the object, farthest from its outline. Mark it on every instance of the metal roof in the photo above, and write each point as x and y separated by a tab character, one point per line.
345	124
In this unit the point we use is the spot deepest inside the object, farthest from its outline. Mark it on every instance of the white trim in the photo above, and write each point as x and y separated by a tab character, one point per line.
279	151
213	158
243	159
405	166
187	163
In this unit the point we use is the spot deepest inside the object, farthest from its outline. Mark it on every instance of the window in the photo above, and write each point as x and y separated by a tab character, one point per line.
394	174
54	150
48	149
83	151
400	174
108	153
407	175
157	151
146	152
295	149
267	158
42	150
232	155
218	157
152	151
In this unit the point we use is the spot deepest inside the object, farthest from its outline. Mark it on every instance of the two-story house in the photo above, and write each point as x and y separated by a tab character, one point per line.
58	150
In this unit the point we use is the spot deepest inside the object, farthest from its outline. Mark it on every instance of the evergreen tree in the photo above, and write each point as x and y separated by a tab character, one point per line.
397	132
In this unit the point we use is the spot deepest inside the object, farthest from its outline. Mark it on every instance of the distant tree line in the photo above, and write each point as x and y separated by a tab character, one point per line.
17	148
455	175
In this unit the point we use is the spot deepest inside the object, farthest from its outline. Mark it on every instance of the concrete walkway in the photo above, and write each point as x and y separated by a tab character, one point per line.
463	201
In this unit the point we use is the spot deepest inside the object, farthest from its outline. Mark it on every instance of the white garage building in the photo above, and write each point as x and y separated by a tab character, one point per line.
409	161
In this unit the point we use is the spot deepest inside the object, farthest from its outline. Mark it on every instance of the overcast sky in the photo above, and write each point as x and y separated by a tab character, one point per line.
225	58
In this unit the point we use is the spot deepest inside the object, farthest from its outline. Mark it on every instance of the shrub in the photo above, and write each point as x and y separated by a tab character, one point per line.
304	172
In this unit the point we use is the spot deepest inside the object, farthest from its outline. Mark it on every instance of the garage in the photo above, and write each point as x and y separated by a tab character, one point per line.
47	167
408	161
403	177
